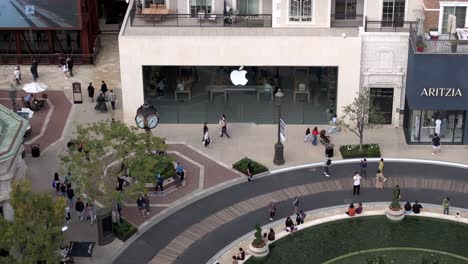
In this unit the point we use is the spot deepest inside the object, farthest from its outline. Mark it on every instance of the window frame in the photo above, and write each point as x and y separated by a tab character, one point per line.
301	19
393	22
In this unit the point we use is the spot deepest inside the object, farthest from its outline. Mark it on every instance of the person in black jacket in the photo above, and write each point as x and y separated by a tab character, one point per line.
103	87
79	207
91	91
70	66
34	73
70	195
417	207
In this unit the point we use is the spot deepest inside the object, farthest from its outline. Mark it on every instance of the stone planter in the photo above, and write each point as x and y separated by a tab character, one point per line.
259	252
395	216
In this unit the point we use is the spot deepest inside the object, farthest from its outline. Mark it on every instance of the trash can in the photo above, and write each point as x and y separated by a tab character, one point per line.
329	150
35	150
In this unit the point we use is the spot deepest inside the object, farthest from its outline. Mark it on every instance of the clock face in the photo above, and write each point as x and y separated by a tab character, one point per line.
153	121
140	121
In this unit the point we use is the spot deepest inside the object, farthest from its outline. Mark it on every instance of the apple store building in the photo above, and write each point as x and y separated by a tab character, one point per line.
197	94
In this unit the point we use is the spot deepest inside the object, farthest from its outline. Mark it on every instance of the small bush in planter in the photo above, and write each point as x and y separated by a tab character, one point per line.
241	166
368	151
147	167
124	230
258	241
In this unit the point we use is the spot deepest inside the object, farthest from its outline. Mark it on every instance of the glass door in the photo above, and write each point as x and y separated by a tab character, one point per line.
248	7
198	7
393	13
345	9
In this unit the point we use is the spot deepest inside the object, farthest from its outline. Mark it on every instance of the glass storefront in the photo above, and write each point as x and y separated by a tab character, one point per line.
448	124
197	94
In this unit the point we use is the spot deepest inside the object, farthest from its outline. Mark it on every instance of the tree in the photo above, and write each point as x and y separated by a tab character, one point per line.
104	151
34	235
361	115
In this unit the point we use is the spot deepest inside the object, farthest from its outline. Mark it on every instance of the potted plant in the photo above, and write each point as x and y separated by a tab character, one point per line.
454	43
420	45
258	247
395	211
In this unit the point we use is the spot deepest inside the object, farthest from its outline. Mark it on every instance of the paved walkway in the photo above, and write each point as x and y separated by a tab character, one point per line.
201	229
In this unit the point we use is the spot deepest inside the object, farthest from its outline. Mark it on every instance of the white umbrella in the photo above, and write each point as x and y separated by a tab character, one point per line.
34	87
451	25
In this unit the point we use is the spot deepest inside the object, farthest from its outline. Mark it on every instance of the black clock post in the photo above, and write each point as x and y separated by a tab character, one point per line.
147	117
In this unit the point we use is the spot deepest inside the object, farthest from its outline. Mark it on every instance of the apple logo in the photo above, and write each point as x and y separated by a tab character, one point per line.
238	76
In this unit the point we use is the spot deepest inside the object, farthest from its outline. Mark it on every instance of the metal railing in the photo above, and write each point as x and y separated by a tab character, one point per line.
422	43
45	58
346	21
387	26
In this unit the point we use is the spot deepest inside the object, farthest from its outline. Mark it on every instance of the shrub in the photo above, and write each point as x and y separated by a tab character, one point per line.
352	151
147	167
241	166
124	230
258	241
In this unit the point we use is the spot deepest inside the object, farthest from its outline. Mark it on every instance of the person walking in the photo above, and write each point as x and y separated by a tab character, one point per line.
206	139
70	65
79	207
446	205
315	134
177	181
381	165
67	214
333	123
205	130
356	183
65	70
56	182
91	213
33	69
223	125
296	204
112	98
180	171
326	166
140	206
250	172
70	194
104	87
308	135
159	182
91	92
272	210
379	180
17	74
363	166
436	145
146	203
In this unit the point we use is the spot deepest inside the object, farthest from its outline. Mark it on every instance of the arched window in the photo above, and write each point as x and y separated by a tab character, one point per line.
300	10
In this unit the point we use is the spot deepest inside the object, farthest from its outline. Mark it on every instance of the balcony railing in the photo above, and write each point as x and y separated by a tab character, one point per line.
346	21
386	26
173	19
422	43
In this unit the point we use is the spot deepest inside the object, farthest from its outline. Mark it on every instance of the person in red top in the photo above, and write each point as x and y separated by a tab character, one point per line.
351	210
315	134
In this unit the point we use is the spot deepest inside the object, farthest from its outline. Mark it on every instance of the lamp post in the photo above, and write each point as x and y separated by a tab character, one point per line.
12	95
279	148
64	228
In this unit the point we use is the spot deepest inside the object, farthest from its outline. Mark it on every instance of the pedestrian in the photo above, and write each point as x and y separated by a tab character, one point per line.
300	216
381	165
351	210
272	210
363	166
250	172
67	214
446	205
356	183
205	130
140	205
70	194
379	180
90	212
326	166
101	105
289	225
68	178
417	207
333	123
223	125
79	207
180	171
206	139
146	202
56	182
308	135
159	182
104	87
315	134
176	179
34	73
17	74
69	62
63	189
296	204
271	235
112	98
436	145
65	70
91	92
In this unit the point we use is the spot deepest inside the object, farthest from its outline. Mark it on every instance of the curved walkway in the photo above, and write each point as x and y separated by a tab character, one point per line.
204	227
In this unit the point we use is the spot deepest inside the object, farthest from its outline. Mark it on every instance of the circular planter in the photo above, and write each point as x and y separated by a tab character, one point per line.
259	252
395	215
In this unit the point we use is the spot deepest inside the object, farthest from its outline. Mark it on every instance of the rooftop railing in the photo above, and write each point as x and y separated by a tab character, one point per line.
346	21
386	26
423	43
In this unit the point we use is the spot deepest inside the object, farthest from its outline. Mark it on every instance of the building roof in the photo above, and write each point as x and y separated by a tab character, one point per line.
12	130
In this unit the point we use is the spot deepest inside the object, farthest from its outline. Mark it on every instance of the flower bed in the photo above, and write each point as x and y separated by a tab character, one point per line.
368	151
124	230
241	166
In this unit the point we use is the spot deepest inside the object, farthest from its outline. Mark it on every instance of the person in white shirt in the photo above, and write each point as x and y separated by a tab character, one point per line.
333	122
357	183
17	74
65	70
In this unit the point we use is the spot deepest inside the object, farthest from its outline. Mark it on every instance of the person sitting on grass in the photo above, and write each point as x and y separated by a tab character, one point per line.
351	210
359	208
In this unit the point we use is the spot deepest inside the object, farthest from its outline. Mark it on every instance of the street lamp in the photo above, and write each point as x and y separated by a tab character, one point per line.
279	148
64	228
12	95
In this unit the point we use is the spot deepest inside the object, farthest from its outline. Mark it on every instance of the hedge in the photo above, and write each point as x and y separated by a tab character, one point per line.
241	166
368	151
124	230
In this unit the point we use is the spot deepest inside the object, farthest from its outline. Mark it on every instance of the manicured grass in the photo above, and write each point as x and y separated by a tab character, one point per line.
124	230
241	166
368	151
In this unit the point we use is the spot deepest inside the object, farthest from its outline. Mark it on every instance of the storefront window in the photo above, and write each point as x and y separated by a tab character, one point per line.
446	123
